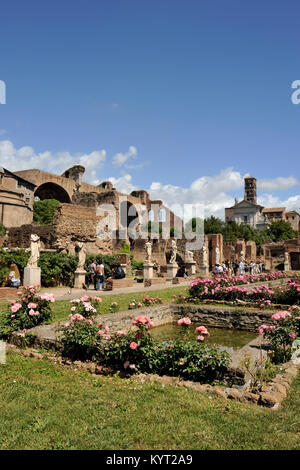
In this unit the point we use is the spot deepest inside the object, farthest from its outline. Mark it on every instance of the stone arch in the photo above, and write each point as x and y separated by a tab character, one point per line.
52	191
128	213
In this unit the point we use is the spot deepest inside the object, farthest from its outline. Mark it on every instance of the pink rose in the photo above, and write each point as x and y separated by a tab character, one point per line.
14	308
184	321
32	305
292	335
126	364
133	345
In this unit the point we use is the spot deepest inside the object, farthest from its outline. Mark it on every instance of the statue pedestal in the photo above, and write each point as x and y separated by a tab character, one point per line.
286	267
32	276
204	270
79	278
148	270
171	271
191	267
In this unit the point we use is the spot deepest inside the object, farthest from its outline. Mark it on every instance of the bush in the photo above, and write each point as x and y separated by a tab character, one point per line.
137	351
30	310
282	334
57	268
19	257
2	230
80	339
43	211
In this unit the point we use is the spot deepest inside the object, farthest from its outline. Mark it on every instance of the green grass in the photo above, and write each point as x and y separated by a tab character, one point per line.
61	308
47	406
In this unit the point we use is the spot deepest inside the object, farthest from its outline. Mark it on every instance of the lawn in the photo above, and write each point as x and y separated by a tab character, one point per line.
48	406
61	308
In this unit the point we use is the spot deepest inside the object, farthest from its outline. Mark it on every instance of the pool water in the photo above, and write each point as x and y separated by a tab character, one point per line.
229	339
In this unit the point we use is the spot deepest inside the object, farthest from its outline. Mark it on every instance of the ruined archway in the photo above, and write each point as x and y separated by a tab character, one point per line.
52	191
128	214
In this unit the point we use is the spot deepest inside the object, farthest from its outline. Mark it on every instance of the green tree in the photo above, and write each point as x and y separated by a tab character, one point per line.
43	211
281	230
194	225
213	225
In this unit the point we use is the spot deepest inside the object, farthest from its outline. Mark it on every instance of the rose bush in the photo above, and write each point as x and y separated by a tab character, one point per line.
284	331
138	352
263	295
30	310
86	306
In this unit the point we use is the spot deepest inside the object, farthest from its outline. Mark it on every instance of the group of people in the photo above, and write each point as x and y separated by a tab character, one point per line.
239	267
96	274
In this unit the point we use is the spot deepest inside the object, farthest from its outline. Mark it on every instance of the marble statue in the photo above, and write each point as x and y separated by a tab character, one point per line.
35	247
173	252
148	247
204	256
189	256
81	255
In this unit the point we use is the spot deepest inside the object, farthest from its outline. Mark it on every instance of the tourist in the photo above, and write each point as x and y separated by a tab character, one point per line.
218	269
236	266
118	272
99	276
242	267
91	273
181	272
251	268
225	268
13	280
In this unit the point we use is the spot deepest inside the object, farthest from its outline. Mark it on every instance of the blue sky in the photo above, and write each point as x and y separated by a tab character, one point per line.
180	98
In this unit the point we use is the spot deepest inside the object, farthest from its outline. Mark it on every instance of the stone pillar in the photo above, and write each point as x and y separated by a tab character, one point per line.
204	270
172	269
32	276
148	270
191	267
79	278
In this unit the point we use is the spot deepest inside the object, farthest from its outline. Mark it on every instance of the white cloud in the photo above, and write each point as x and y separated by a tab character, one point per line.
26	158
123	184
277	184
120	158
208	193
213	193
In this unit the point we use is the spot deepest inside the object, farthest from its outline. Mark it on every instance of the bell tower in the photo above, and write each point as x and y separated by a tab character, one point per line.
250	189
